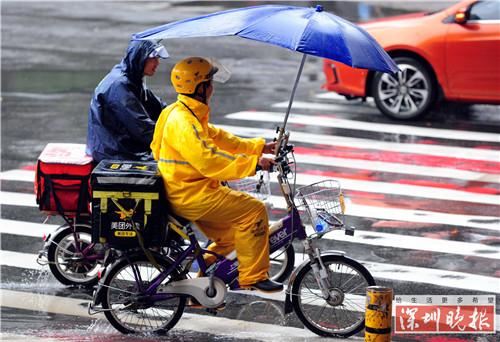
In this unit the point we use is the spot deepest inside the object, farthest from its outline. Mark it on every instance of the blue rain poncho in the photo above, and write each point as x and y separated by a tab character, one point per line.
123	111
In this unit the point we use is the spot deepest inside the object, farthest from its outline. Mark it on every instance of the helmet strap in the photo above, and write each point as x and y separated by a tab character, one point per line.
200	93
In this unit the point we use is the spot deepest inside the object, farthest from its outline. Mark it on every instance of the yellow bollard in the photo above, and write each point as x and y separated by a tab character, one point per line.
378	316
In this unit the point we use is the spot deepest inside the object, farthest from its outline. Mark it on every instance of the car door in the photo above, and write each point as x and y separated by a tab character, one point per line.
473	54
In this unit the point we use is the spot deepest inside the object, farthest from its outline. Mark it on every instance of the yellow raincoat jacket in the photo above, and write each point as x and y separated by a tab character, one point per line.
194	157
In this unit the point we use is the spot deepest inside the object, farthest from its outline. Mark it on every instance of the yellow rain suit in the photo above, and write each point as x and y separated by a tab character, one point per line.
194	157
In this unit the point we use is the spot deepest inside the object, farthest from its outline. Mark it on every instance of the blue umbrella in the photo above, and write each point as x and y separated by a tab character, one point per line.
308	30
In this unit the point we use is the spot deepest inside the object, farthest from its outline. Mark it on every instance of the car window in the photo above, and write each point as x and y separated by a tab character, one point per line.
485	10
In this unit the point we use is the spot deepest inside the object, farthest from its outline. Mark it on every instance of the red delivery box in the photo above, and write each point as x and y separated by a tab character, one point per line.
62	179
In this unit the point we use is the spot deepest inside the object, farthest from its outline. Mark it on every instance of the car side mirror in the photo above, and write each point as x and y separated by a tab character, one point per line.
461	16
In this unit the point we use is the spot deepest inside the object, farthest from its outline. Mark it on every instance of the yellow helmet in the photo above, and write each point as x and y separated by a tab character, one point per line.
191	71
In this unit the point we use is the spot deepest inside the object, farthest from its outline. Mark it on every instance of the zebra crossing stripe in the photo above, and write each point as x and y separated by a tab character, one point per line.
360	237
438	277
371	165
355	185
359	143
337	97
403	189
17	198
18	175
409	215
25	228
429	171
191	322
415	243
233	328
398	214
322	121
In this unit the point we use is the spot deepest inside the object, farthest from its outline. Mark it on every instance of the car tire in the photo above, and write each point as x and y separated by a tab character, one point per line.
407	95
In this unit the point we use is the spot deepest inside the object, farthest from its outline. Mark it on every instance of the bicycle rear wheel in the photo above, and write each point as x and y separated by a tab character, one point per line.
131	311
66	261
342	314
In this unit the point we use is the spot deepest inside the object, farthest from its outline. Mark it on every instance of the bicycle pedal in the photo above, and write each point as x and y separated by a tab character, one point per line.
349	231
215	311
212	312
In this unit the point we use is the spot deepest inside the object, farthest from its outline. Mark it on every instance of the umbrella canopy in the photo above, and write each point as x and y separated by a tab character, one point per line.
308	30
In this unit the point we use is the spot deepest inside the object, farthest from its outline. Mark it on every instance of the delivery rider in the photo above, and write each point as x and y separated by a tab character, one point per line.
194	157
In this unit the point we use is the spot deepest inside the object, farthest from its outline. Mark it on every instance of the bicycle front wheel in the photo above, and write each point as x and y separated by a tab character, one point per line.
342	313
131	311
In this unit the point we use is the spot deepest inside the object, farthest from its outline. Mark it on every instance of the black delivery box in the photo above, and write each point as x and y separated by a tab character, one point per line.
128	204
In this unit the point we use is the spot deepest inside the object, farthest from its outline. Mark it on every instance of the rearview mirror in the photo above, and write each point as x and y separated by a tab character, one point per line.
461	16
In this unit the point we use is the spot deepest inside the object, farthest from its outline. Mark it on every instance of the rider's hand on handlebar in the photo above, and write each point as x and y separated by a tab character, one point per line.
266	163
269	148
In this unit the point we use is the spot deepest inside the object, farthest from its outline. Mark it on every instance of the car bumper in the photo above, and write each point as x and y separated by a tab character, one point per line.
344	80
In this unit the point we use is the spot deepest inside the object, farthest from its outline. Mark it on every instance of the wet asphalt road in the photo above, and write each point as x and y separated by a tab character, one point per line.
53	55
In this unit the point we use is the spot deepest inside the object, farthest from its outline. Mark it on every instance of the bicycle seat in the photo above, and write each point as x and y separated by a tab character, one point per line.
178	220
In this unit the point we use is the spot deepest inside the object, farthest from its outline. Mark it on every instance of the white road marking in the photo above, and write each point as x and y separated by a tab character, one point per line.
17	198
371	165
22	260
360	125
18	175
410	169
25	228
409	215
417	243
438	277
404	189
336	97
335	107
358	143
192	322
382	213
14	198
200	323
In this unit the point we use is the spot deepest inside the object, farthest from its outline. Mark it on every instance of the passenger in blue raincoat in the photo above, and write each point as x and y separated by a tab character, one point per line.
123	111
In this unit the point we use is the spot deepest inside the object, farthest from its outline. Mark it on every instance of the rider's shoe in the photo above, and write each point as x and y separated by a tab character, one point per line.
266	285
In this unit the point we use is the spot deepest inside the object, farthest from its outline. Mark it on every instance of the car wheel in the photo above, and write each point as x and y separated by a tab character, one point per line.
406	95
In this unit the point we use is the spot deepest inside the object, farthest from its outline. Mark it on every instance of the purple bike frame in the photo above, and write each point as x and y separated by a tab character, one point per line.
289	228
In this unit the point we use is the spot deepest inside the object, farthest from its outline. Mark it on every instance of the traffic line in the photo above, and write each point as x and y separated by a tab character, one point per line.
382	213
25	228
22	260
434	276
18	175
22	337
423	216
407	160
17	198
337	97
334	108
398	168
314	159
358	143
416	243
14	198
458	185
323	121
403	189
233	328
22	228
409	215
192	322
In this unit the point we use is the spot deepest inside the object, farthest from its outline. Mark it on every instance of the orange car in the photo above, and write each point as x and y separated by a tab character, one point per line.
452	54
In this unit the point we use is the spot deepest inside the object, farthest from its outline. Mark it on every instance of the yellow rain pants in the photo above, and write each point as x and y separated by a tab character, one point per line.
194	157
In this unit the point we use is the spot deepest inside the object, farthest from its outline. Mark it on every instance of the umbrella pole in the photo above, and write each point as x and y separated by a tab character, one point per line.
282	129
